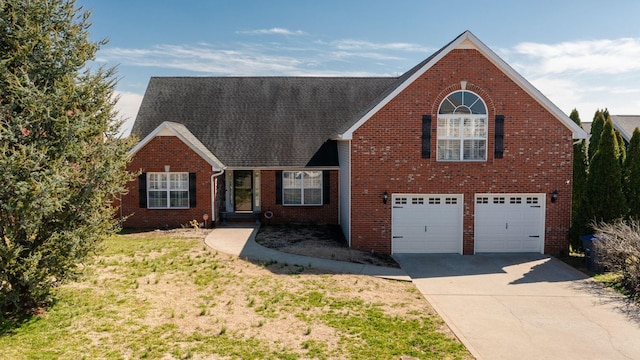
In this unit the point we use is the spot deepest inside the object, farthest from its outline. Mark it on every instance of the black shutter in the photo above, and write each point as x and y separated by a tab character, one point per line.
499	137
326	187
426	136
279	187
142	190
192	189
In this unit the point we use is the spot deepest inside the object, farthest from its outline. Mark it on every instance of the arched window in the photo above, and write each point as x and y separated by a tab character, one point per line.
462	128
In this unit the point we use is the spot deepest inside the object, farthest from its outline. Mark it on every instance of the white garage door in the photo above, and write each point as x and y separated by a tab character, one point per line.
426	223
509	223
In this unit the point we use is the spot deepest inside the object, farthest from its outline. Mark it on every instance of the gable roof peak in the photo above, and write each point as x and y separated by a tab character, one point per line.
466	40
169	128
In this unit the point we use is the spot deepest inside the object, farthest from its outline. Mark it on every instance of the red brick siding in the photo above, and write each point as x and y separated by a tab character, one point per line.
161	151
325	214
386	153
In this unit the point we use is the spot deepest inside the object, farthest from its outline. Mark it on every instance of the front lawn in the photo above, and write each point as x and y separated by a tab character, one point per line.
166	295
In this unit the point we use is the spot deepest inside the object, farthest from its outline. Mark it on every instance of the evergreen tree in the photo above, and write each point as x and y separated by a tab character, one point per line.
578	186
596	130
622	148
61	162
631	179
604	200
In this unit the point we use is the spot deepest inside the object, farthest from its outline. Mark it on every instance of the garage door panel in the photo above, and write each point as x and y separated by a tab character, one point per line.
509	223
426	223
531	244
492	245
407	245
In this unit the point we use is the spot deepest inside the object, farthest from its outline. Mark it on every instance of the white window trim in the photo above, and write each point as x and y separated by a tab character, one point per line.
167	190
284	187
461	137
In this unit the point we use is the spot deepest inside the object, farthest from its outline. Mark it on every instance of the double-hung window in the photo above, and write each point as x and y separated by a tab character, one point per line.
168	190
302	187
462	128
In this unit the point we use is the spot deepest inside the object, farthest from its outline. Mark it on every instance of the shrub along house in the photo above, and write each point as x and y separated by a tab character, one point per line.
458	155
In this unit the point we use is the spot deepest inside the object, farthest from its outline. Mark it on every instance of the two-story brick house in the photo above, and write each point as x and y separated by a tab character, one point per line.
458	155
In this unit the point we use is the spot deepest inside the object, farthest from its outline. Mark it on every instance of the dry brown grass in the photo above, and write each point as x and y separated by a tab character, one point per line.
166	295
321	241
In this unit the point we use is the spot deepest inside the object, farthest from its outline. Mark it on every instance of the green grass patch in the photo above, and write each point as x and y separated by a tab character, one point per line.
614	281
382	336
157	296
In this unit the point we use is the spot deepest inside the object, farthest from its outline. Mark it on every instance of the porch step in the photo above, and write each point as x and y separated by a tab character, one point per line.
240	217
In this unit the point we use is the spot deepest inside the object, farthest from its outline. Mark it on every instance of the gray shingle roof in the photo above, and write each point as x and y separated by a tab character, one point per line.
261	121
393	86
277	121
626	124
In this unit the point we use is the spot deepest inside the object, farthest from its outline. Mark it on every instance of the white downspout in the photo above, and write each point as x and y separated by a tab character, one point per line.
213	195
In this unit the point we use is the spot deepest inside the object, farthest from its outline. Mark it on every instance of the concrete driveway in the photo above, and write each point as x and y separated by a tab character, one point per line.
525	306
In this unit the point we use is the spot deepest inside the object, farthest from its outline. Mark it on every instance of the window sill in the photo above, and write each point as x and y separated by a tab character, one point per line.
299	205
463	161
168	208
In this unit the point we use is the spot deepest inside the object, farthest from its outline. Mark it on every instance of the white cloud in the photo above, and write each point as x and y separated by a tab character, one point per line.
595	56
258	59
364	55
272	31
587	95
293	56
351	44
586	75
204	59
128	105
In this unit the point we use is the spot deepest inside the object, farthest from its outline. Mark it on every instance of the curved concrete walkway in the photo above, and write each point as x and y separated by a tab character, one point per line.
510	306
239	240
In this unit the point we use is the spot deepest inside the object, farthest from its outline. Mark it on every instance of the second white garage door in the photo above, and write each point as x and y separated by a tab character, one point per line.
426	223
509	223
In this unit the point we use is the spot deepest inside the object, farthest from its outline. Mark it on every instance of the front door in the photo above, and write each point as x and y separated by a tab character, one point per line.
243	190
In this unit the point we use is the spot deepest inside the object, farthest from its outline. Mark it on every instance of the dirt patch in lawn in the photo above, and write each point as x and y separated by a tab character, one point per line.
166	295
320	241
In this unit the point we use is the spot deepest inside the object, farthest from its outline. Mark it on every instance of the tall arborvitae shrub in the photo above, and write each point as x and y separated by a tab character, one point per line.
578	186
622	148
604	200
596	131
631	178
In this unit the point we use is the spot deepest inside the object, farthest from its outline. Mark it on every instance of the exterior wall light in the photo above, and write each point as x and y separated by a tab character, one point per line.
385	197
554	196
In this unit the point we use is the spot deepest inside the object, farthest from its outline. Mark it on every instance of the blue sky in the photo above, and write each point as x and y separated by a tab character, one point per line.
580	54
